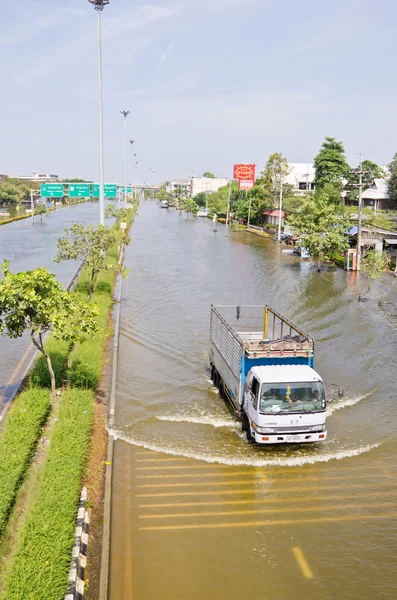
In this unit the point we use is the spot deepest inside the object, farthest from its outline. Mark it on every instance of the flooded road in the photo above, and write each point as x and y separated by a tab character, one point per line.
199	513
29	246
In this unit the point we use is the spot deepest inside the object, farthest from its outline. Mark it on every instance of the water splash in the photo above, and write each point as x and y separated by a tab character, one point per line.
291	461
203	420
346	403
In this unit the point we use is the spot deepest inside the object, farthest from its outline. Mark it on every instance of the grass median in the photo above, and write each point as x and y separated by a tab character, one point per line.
41	564
22	429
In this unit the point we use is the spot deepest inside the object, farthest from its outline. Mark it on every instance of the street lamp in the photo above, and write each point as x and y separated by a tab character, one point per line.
125	114
132	142
99	5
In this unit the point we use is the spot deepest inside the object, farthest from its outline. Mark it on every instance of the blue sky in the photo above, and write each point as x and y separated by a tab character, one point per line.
208	83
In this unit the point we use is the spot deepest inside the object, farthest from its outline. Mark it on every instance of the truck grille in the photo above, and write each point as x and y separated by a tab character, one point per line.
292	429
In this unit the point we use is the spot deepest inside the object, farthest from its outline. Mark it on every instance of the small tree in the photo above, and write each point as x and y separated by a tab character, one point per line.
88	244
34	300
209	175
322	227
372	266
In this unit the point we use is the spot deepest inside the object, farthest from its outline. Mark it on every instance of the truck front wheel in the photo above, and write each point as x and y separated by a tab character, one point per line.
244	422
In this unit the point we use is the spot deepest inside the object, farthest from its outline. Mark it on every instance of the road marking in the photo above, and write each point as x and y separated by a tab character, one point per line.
269	523
250	481
177	467
161	459
192	484
257	492
262	511
185	475
302	562
263	500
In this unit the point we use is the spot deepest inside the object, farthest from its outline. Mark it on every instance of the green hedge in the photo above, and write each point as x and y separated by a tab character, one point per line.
42	561
23	427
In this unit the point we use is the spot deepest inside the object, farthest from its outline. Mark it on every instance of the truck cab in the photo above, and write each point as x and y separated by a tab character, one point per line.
284	404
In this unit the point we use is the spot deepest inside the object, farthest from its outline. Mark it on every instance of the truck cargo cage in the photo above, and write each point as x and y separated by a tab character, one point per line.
257	331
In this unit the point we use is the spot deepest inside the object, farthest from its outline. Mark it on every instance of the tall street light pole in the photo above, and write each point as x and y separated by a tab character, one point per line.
99	5
132	142
125	114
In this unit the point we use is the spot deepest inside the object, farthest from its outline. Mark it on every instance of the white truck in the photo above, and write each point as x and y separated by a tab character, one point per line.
264	366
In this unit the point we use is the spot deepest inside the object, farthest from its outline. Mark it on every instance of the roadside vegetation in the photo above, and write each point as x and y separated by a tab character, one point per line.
320	217
39	564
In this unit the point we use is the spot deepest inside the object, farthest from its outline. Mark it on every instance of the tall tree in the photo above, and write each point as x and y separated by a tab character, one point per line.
34	300
331	165
209	175
321	226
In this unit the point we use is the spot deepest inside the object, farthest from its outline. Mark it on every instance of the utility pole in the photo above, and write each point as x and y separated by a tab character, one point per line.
360	186
32	205
125	114
280	208
228	205
249	210
360	214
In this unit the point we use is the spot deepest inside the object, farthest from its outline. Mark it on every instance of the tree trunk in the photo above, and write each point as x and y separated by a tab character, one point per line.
40	346
52	376
92	277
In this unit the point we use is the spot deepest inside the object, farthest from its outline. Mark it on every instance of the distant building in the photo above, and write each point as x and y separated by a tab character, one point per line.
2	177
301	177
199	185
272	217
377	196
37	177
178	186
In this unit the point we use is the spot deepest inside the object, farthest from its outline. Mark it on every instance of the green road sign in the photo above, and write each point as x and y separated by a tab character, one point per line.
110	190
79	190
51	190
129	189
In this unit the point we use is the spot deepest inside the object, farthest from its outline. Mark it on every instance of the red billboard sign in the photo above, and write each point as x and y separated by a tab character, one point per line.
245	173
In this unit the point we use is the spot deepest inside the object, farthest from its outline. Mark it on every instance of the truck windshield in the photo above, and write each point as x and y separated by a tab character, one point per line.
292	397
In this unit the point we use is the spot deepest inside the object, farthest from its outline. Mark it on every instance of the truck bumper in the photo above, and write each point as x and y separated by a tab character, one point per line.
290	438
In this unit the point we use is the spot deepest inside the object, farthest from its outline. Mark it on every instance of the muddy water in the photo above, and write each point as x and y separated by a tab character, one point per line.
199	513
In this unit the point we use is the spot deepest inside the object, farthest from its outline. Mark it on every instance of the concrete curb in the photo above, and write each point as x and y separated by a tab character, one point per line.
79	554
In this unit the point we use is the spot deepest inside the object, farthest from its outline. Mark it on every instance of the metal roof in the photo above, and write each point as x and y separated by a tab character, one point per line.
286	373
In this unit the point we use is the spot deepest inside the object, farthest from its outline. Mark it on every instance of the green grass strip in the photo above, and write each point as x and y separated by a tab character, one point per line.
22	429
41	564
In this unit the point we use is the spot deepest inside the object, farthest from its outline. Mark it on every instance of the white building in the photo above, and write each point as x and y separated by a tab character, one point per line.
37	177
178	186
377	196
301	177
207	184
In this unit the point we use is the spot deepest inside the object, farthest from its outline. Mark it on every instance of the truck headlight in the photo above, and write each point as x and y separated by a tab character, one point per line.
265	429
318	428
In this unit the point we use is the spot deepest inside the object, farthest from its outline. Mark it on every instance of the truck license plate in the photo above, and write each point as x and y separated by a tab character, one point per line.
292	438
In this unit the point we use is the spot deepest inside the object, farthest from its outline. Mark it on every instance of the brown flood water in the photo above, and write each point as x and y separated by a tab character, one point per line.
197	512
